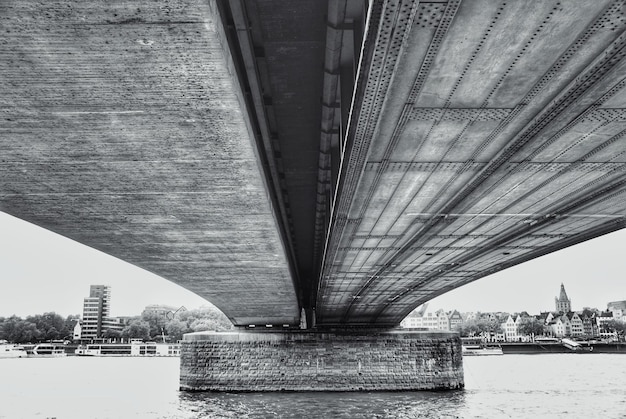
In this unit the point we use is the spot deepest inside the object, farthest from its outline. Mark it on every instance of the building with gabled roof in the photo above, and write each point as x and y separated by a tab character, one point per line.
545	316
455	319
562	326
511	328
576	324
590	327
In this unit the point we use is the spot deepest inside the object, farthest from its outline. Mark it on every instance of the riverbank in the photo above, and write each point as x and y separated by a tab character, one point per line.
559	347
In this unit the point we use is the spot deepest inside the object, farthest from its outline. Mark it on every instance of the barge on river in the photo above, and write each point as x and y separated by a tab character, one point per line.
133	348
564	346
47	350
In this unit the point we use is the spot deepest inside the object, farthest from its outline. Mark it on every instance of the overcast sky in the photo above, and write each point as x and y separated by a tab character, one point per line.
41	271
593	272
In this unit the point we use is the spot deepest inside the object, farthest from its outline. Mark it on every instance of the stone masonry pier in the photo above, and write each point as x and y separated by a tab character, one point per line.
348	360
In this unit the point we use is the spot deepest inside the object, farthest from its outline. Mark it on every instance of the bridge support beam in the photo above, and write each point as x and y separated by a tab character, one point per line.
348	360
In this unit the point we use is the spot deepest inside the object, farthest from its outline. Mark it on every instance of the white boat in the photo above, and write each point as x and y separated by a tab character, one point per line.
134	348
47	350
10	350
477	350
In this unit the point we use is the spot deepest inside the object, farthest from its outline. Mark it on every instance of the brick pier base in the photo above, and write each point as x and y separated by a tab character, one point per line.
321	361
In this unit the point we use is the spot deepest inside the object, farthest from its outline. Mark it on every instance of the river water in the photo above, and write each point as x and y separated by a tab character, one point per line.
507	386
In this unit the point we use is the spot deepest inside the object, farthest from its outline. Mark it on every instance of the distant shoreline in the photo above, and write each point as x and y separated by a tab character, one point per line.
558	347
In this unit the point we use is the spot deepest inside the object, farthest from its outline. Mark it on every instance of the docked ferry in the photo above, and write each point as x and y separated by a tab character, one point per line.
47	350
10	350
475	347
134	348
478	350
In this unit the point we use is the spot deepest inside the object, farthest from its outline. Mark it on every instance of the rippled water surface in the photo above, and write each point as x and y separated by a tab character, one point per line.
508	386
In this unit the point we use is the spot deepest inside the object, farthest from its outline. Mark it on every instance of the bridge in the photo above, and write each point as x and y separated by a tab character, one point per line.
309	163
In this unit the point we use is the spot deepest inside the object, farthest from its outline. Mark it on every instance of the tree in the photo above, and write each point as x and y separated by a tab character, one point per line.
156	322
51	326
112	334
469	328
137	329
616	326
530	326
16	330
201	325
37	328
175	329
205	319
493	326
476	327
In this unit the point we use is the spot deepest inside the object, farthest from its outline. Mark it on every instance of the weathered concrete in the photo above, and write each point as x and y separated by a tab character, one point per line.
321	361
123	126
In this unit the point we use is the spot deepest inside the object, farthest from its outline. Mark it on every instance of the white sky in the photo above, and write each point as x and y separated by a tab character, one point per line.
41	271
593	273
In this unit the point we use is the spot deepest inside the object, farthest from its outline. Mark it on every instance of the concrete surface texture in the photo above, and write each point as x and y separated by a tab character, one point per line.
123	127
278	155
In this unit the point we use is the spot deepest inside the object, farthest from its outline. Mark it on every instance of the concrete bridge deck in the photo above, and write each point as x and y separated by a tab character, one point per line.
351	158
124	127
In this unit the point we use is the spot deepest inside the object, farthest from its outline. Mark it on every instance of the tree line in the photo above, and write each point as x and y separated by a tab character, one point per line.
37	328
149	326
476	327
152	326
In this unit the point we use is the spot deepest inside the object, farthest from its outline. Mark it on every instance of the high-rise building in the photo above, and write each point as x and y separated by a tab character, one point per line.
563	304
96	309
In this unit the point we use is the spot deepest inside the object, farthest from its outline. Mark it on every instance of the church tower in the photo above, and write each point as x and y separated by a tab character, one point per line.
563	304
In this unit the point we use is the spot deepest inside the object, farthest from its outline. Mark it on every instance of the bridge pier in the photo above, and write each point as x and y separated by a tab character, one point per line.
347	360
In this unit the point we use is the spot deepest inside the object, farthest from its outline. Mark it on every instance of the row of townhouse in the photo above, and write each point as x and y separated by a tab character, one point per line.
588	323
439	320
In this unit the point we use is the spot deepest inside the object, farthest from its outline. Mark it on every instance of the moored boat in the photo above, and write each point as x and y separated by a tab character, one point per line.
47	350
10	350
134	348
477	350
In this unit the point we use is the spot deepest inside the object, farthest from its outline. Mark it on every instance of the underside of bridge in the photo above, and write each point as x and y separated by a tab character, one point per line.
351	158
484	134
